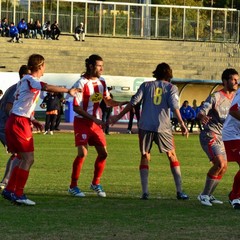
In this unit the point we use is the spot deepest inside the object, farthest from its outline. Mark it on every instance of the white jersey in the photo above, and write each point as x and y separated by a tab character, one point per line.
93	91
231	127
26	96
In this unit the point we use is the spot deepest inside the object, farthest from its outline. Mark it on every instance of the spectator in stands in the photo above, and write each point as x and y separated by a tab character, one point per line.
55	31
4	28
61	102
134	111
80	32
22	28
197	120
188	114
47	30
51	103
31	29
38	29
14	34
106	111
1	93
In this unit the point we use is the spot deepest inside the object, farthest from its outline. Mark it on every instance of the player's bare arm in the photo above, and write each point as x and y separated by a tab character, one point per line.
52	88
113	119
181	122
111	102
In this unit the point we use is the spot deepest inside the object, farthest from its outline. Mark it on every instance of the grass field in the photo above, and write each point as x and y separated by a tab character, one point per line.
122	215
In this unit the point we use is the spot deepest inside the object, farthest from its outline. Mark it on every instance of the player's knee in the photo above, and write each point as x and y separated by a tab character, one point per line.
103	155
172	156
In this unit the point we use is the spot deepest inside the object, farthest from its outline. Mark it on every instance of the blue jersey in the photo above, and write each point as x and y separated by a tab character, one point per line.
13	31
22	25
157	98
187	113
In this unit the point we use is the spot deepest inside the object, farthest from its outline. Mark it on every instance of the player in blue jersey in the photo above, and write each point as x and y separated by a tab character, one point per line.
5	108
158	98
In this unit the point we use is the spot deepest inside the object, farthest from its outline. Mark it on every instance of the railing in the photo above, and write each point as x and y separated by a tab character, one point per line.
130	20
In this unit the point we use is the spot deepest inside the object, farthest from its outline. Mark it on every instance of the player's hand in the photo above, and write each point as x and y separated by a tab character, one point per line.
37	125
184	130
121	104
205	119
100	122
73	91
113	119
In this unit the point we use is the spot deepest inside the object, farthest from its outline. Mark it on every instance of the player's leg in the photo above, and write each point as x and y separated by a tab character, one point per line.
214	148
99	167
145	144
76	170
232	150
98	140
144	172
13	161
176	172
21	177
130	121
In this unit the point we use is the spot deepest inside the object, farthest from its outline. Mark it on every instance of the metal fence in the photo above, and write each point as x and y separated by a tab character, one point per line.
130	20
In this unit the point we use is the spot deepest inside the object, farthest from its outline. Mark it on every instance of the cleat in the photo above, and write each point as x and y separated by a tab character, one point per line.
235	203
51	132
182	196
212	199
205	200
23	200
98	189
76	192
2	186
145	196
10	196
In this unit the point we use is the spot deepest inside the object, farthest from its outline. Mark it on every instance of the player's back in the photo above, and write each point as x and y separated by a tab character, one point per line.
157	99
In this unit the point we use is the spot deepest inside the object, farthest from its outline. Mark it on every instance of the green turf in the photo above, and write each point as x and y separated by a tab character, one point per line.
122	215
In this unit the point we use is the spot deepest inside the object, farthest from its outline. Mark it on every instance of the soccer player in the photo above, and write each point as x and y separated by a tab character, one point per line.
212	115
88	127
5	108
19	135
157	98
231	140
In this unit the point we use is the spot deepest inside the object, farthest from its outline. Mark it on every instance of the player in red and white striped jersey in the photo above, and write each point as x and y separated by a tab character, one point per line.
18	127
88	126
231	140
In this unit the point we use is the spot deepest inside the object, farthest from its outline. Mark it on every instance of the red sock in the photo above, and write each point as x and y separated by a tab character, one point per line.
236	187
12	180
99	167
21	180
76	169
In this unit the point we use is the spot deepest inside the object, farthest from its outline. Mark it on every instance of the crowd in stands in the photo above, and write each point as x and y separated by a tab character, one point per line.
189	115
35	30
32	29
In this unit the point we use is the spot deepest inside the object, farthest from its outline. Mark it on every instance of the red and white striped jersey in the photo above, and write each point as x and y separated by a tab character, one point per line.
93	91
26	96
231	127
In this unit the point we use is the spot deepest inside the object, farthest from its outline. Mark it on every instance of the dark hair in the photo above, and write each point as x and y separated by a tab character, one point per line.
35	61
163	72
91	60
227	73
23	70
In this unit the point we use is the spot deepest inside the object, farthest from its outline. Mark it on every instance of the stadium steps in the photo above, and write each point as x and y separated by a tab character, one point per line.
124	57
